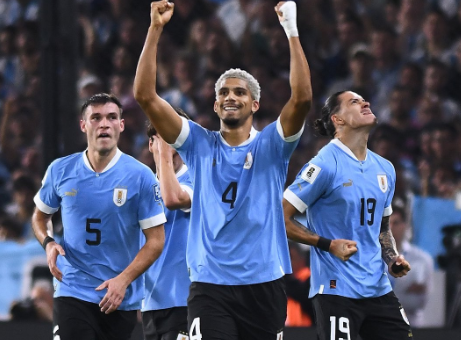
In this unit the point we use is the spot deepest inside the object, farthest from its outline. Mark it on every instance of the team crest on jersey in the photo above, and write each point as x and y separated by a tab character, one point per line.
311	173
157	194
120	196
248	161
382	182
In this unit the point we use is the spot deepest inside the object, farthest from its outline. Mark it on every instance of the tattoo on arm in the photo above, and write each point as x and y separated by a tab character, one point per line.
302	234
388	246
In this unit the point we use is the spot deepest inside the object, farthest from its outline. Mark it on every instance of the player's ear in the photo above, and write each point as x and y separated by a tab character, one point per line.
82	125
254	106
337	120
215	107
122	125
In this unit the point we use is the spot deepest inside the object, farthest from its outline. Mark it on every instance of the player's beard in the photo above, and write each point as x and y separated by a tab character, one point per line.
231	122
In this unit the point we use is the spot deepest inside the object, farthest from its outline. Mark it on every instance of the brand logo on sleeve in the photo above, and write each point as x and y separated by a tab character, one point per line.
310	173
119	197
348	184
382	182
73	192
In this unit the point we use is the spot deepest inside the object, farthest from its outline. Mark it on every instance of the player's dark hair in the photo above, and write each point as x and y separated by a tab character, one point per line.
324	124
399	209
150	128
101	99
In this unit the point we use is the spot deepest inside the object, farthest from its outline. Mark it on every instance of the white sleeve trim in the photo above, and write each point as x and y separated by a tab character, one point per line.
43	207
185	130
190	192
153	221
295	201
387	211
288	139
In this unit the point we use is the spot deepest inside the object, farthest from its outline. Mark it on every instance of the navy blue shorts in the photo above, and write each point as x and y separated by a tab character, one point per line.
74	319
380	318
250	312
165	324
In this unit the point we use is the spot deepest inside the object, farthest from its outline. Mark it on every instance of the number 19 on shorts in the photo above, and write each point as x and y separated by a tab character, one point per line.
341	326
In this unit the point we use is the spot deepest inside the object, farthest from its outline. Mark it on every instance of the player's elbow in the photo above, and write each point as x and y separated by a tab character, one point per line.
144	95
174	203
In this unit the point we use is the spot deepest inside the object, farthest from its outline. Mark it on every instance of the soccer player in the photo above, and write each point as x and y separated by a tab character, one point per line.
106	198
346	192
164	312
237	250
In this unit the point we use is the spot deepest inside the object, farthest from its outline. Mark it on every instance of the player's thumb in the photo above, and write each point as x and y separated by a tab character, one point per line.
102	286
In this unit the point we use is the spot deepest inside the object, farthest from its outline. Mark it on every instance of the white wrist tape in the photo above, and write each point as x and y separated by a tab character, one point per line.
288	20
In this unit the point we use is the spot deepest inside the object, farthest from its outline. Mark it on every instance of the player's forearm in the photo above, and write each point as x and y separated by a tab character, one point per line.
387	241
146	256
173	195
41	225
300	76
145	80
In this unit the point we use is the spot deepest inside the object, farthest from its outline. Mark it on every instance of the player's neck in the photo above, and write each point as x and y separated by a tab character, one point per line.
100	160
235	136
357	143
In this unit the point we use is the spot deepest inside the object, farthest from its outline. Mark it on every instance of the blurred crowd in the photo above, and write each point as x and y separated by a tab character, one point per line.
403	56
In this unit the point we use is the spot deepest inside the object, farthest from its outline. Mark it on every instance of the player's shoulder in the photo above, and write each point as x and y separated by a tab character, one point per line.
134	164
69	161
387	164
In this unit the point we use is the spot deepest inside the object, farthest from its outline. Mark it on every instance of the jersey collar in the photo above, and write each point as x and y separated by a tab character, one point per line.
253	134
343	147
112	162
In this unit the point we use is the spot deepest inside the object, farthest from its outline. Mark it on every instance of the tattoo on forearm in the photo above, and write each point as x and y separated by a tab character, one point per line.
388	246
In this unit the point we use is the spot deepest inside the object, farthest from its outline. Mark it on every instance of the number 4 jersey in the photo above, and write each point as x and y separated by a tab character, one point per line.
237	233
102	216
345	198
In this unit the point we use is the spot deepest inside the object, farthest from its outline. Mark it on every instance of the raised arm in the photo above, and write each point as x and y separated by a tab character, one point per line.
396	263
173	195
162	116
295	110
342	249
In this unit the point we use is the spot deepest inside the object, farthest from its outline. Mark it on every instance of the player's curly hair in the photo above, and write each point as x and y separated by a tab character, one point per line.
324	125
253	84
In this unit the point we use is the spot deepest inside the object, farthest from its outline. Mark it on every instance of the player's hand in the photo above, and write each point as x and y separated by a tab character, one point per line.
343	249
399	267
161	12
163	148
116	289
52	251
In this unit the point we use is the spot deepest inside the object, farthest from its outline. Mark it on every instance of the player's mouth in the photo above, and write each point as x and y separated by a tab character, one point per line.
366	112
103	135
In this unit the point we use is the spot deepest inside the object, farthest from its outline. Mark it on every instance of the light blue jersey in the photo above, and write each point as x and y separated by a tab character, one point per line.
345	198
102	215
237	233
167	280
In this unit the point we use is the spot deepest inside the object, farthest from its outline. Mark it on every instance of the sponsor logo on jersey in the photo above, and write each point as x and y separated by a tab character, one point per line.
382	182
182	336
71	193
310	173
120	196
157	194
348	184
248	161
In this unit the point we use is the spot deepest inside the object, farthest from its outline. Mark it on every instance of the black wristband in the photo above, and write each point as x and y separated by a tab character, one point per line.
324	244
47	240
